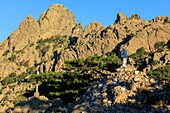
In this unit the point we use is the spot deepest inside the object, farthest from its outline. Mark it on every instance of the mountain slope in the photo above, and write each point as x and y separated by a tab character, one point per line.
43	46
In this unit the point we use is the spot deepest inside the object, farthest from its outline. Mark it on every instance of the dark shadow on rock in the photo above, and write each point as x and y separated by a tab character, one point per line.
125	41
73	40
29	93
38	105
56	58
168	44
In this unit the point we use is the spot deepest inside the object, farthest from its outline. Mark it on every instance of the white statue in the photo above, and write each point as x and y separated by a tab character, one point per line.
124	57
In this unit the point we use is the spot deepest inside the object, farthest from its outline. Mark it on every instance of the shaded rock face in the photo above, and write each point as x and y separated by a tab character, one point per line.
33	104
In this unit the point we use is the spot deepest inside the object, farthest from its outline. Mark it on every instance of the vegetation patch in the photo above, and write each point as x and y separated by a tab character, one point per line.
12	78
162	73
78	76
139	57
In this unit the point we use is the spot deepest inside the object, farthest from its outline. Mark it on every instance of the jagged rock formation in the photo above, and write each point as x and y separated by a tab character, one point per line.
56	20
94	39
45	45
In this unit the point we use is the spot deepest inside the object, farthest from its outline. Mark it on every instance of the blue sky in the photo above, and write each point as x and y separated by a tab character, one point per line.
86	11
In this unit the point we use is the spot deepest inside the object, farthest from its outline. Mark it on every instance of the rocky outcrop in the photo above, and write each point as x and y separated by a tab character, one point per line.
27	32
121	17
161	19
22	43
135	16
77	30
56	20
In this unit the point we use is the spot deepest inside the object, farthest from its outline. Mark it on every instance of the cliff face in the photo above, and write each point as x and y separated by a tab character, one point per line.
30	44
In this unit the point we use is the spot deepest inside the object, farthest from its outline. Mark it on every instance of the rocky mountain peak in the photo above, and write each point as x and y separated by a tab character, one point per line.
135	16
161	19
28	24
28	31
120	17
93	27
56	20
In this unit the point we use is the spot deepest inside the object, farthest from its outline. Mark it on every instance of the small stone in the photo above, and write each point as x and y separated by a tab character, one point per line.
127	77
118	70
136	72
104	94
109	103
109	82
152	81
105	100
136	79
122	88
115	79
108	76
100	85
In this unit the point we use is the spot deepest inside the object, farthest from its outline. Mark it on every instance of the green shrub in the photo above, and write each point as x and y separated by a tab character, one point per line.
12	74
78	76
139	57
31	70
159	46
95	62
8	80
25	64
155	62
5	53
163	73
13	58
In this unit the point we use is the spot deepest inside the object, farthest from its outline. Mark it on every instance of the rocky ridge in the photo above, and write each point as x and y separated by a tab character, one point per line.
45	45
58	21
